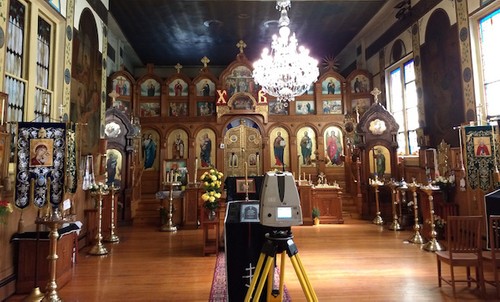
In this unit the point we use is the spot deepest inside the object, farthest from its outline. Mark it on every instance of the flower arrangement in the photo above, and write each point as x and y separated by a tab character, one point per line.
444	182
100	187
5	209
439	222
211	181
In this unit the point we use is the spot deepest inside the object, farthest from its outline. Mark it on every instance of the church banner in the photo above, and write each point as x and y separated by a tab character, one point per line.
40	157
71	161
480	156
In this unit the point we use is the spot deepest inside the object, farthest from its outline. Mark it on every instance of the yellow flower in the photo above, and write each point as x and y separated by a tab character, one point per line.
211	199
205	197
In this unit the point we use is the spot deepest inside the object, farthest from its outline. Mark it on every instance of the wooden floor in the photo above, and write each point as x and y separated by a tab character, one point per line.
356	261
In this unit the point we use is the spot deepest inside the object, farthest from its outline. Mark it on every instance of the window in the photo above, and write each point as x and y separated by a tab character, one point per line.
489	48
29	72
403	105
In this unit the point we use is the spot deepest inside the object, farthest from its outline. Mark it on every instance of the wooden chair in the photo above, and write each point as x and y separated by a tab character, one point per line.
464	250
492	256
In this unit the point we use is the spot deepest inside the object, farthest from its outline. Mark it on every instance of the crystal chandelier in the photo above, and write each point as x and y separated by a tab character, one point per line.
286	71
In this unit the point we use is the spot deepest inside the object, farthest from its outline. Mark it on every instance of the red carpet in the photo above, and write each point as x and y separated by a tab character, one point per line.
218	292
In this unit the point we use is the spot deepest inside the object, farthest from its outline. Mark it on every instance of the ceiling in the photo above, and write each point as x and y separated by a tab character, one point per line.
167	32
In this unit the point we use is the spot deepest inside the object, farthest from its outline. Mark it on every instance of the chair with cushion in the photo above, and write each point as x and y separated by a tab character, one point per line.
463	250
493	255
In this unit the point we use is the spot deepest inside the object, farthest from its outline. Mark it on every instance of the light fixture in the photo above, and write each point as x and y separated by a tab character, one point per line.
287	70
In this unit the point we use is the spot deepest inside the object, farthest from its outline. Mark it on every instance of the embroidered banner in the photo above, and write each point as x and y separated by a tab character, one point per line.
71	161
479	156
40	156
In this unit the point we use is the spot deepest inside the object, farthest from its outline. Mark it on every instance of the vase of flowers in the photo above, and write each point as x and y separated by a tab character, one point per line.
5	210
445	185
211	181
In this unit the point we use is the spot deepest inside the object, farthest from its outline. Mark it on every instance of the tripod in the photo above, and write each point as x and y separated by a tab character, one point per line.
278	241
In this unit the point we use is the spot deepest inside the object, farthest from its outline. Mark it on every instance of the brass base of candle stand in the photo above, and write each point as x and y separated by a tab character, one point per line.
167	227
433	246
35	296
112	238
395	226
98	249
416	238
378	219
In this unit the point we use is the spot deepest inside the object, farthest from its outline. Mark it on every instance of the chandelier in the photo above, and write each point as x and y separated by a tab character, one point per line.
287	70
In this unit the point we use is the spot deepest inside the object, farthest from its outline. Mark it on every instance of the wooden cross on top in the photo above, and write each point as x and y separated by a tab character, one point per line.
241	44
113	94
178	67
375	92
205	61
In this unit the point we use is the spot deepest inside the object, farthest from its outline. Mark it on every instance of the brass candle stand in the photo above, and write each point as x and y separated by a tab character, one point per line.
432	245
376	184
169	225
417	237
112	235
395	226
98	249
52	221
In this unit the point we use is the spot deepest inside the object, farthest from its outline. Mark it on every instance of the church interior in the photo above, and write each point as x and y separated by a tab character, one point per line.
164	148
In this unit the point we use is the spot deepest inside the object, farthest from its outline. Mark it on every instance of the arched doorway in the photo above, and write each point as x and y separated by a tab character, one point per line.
243	144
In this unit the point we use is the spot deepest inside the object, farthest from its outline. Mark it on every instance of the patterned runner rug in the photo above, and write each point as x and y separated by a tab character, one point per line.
218	291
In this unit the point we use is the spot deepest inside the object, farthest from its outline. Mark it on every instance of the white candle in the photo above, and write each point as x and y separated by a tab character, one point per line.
196	170
2	112
246	172
258	164
164	171
298	162
436	171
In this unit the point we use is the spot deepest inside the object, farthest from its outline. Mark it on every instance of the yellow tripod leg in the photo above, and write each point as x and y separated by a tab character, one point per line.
304	282
262	281
313	293
258	268
270	282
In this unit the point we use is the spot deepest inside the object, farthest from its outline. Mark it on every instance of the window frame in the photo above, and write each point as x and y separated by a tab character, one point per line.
410	135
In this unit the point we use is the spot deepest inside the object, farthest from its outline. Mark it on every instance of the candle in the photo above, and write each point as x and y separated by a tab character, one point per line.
258	164
3	110
48	190
304	175
374	162
246	172
298	162
309	177
196	170
164	171
32	190
436	170
187	178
